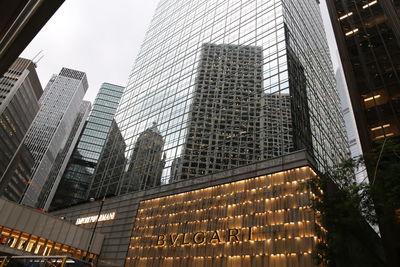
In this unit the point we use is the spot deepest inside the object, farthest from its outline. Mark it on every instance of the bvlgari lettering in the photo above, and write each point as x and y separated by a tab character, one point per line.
217	236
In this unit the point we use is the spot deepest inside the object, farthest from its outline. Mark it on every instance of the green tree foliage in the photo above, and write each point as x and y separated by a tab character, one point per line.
344	203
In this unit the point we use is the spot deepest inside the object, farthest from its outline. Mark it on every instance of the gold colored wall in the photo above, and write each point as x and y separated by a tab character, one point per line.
262	221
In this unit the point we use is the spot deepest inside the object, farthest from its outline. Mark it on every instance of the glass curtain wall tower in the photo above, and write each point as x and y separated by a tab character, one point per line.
79	173
230	82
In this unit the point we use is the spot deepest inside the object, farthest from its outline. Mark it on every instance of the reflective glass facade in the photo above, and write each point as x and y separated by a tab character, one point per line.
78	175
107	177
230	82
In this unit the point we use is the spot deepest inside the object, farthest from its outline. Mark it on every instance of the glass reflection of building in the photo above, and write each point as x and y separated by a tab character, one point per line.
147	162
79	173
107	177
224	118
286	47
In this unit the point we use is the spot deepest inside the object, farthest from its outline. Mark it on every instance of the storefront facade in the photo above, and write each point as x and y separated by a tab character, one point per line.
254	215
28	232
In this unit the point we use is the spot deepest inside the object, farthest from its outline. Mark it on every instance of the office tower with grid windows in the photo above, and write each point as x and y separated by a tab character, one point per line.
53	180
207	73
20	91
79	172
49	132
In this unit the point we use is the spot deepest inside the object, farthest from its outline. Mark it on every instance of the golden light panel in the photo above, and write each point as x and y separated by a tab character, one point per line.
261	221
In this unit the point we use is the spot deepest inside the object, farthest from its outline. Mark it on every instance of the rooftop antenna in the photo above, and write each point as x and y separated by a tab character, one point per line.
33	59
41	56
38	60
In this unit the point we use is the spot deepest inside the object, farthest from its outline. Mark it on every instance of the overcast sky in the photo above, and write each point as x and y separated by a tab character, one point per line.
99	37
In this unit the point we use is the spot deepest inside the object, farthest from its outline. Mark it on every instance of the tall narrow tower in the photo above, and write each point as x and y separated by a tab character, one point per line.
79	172
50	130
20	91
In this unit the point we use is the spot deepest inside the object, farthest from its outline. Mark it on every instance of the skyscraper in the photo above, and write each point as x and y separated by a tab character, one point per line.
20	91
50	130
368	39
62	158
277	48
78	175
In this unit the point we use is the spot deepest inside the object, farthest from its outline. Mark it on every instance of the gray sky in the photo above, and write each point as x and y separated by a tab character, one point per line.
99	37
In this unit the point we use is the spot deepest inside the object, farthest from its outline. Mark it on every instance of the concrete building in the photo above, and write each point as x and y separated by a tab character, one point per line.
78	175
59	107
20	91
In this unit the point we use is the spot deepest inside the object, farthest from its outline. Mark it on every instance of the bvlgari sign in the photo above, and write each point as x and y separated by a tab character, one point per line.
92	219
260	221
230	235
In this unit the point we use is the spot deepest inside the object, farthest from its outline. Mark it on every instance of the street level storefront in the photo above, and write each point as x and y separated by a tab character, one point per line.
261	221
253	215
25	231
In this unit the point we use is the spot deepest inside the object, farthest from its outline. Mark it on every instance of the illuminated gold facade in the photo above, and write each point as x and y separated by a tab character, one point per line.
261	221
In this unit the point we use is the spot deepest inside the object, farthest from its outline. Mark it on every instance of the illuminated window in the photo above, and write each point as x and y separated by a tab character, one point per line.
380	127
370	4
351	32
371	98
384	135
346	16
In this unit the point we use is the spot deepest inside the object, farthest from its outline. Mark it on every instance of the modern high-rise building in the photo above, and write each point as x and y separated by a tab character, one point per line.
247	83
49	132
53	180
207	72
78	174
20	91
368	39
